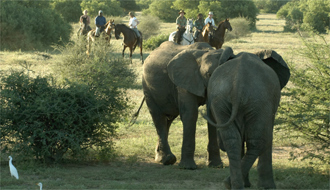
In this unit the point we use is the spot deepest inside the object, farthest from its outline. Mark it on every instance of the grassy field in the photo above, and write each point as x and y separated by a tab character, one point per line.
134	167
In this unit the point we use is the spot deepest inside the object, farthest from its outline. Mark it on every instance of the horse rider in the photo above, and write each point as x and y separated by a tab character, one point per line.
88	21
100	21
133	22
199	24
181	22
210	19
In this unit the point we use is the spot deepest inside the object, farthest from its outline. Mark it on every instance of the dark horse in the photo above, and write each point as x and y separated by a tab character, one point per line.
130	39
217	39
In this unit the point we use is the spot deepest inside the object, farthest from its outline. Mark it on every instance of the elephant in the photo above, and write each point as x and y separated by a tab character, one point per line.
243	95
174	83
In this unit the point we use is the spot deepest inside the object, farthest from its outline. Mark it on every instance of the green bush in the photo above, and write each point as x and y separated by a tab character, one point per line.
306	15
163	10
240	28
149	26
109	7
155	41
43	119
270	6
305	106
27	25
70	10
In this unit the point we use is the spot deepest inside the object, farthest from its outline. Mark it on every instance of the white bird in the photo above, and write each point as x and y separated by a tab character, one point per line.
13	170
40	185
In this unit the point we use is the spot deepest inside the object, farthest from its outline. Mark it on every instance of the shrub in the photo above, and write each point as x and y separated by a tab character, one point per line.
240	28
305	15
43	119
270	6
27	25
163	10
155	41
70	10
307	107
109	7
149	26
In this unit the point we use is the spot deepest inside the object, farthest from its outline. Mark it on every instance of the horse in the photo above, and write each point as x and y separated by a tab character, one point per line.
204	35
217	39
130	39
108	27
187	37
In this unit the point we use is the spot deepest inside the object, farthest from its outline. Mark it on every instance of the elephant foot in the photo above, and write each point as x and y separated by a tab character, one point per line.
188	164
227	183
215	163
168	159
267	184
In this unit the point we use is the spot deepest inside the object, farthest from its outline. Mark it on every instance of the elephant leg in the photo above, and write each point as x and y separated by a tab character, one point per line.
188	107
213	151
163	150
233	144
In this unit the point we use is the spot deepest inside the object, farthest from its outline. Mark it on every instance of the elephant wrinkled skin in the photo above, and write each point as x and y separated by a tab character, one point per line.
174	83
243	97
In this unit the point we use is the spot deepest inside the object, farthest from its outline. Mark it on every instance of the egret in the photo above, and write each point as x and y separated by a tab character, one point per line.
13	170
40	185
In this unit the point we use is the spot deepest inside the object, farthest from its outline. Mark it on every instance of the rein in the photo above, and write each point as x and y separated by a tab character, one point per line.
190	41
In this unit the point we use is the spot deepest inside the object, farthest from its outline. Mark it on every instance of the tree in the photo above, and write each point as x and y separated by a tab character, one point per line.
270	6
305	106
70	10
109	7
163	10
128	5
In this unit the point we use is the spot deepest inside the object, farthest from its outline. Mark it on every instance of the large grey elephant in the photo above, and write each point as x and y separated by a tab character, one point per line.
243	95
176	85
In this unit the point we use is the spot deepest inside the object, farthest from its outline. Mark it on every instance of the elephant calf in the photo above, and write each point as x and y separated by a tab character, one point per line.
243	96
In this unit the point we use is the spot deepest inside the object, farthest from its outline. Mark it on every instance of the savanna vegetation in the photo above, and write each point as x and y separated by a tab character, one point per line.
65	116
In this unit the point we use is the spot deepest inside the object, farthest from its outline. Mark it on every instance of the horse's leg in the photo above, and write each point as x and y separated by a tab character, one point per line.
141	51
124	49
130	53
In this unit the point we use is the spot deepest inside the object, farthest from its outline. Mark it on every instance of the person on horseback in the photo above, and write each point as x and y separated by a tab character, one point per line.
133	22
199	24
181	22
84	22
100	21
210	19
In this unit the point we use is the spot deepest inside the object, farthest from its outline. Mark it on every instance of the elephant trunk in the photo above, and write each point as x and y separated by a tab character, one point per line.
226	54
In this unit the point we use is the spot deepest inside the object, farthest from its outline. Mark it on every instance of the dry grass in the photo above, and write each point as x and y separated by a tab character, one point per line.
135	167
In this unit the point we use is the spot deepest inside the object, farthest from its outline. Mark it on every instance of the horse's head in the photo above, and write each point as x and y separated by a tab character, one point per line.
227	24
117	31
110	26
189	26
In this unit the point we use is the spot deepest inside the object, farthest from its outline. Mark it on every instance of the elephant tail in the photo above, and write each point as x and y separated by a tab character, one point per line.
135	116
228	123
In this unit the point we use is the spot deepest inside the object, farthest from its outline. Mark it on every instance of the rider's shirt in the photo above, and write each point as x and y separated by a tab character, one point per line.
199	24
182	21
133	22
100	20
208	19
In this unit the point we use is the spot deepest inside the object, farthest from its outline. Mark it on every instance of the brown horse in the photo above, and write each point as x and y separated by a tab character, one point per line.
108	27
204	35
130	39
217	39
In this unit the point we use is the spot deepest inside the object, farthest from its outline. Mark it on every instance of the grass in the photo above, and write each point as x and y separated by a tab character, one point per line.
134	166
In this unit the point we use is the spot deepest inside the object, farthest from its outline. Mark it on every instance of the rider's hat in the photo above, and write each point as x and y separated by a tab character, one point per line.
210	13
131	14
182	11
100	11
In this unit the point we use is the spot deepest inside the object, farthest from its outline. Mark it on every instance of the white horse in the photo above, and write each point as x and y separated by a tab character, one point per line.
188	35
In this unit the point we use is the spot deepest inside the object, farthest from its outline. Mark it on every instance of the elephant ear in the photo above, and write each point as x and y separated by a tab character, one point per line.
276	62
226	55
183	70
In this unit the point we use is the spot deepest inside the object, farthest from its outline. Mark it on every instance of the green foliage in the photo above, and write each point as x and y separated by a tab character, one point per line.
306	14
163	10
109	7
45	120
128	5
143	4
27	25
70	10
149	26
240	27
270	6
188	6
307	107
155	41
243	8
